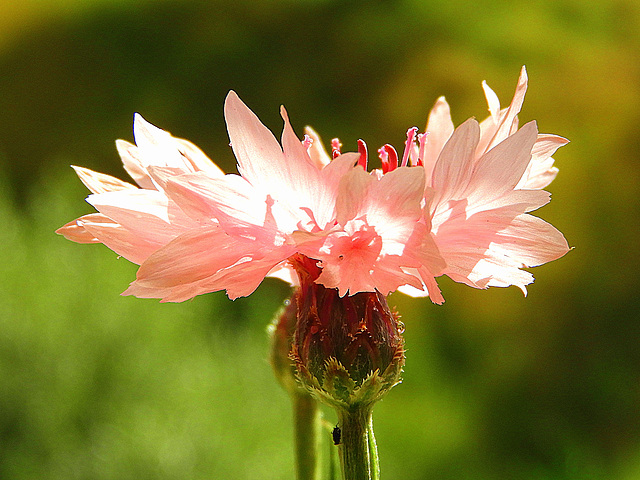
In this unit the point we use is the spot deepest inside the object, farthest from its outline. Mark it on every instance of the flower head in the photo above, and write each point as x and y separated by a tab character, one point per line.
455	203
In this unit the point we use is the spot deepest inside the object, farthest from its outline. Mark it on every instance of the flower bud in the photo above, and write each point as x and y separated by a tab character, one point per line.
347	350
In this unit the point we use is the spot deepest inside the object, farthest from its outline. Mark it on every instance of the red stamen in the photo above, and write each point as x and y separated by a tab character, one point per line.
362	150
307	142
411	135
335	148
389	158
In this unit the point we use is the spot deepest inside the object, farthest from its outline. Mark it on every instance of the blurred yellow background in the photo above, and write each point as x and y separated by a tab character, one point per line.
98	386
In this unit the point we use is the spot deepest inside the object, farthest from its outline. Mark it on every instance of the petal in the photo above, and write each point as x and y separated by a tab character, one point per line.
509	120
204	198
100	182
286	273
305	179
538	175
454	167
156	146
192	256
439	128
546	145
235	203
242	279
500	169
531	241
352	193
75	231
432	286
260	158
330	179
133	164
541	171
197	158
130	245
492	101
294	152
393	207
202	261
348	259
287	175
317	152
390	273
489	248
147	213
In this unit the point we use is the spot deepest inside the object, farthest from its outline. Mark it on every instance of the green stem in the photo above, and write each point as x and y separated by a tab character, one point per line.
373	451
356	444
307	424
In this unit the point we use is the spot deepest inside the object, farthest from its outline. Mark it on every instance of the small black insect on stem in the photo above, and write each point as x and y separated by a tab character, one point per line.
336	434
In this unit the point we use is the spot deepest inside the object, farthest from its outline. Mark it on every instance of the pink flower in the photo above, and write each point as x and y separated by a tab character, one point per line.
195	230
457	203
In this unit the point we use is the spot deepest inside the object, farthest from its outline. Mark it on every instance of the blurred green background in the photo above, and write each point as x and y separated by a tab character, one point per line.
97	386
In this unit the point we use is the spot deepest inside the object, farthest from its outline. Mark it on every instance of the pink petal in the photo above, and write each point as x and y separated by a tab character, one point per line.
130	245
541	171
75	231
158	148
531	240
205	198
100	182
194	255
393	206
509	121
260	158
499	170
390	273
489	248
352	192
432	286
289	176
201	261
242	279
439	128
454	168
235	203
422	249
305	178
546	145
147	213
286	273
538	175
495	271
330	179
